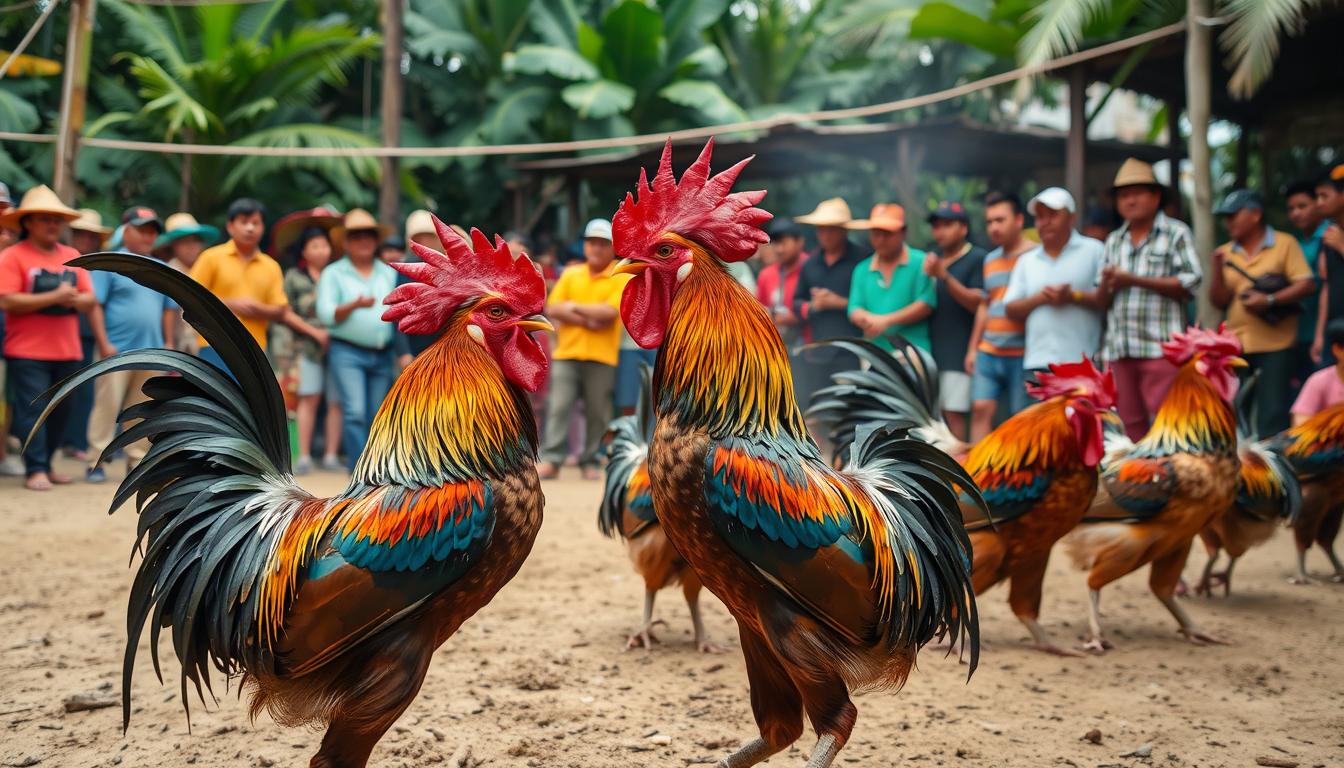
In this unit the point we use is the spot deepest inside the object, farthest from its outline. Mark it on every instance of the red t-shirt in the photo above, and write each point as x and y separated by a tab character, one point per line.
36	336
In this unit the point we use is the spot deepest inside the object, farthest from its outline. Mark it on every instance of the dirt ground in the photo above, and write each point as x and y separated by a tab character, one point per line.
539	679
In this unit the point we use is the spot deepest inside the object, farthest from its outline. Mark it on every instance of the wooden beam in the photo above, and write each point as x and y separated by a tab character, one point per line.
1075	146
74	91
1199	97
389	196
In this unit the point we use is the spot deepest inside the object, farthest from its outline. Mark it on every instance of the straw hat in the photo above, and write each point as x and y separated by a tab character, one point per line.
39	199
888	216
290	226
181	225
356	219
830	213
90	221
420	222
1136	173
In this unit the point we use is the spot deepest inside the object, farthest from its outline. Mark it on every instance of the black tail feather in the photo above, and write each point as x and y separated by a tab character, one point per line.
629	444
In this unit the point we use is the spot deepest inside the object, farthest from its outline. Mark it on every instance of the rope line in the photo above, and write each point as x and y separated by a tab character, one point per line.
640	140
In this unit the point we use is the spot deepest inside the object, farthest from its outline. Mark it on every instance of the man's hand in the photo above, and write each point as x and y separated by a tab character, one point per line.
1113	278
322	337
825	298
106	349
934	267
969	363
1218	257
404	361
1055	295
65	295
1317	350
783	317
1254	301
864	320
363	301
1334	237
244	308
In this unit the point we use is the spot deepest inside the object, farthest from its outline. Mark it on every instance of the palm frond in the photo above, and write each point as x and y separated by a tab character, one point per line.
152	31
168	96
1251	40
342	172
1057	28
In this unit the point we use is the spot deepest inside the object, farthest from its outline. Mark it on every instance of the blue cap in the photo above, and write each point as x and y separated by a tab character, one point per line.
949	210
1238	199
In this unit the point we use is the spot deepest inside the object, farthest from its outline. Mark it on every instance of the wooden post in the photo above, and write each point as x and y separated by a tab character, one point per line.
74	89
1175	152
1075	152
1198	95
389	197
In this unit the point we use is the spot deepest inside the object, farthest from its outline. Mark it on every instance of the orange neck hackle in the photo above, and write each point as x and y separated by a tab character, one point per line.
1194	418
723	365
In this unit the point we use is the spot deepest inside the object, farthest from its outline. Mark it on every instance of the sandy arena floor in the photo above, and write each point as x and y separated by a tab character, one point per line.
538	678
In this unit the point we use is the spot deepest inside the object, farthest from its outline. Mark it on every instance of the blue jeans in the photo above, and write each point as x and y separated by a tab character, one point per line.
1000	378
362	378
28	381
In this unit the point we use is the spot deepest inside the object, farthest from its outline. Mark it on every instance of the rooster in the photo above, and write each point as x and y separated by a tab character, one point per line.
1315	448
1268	493
1037	471
1157	495
627	512
836	577
331	609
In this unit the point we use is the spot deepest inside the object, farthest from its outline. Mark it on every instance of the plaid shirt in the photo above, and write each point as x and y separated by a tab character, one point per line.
1140	320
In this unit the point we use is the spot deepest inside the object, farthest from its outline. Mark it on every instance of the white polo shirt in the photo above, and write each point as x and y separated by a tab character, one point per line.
1068	333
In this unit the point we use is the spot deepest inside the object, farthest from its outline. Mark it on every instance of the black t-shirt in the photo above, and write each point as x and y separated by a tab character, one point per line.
950	325
816	273
1334	273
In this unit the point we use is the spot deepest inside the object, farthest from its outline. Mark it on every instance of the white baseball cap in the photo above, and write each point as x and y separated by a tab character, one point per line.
599	228
1056	198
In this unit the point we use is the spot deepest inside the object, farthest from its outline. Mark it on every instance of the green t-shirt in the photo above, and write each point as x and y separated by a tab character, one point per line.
868	290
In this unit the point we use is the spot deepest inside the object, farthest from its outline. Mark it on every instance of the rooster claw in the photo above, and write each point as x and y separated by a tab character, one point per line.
1097	645
1199	637
1301	580
644	638
1055	650
709	646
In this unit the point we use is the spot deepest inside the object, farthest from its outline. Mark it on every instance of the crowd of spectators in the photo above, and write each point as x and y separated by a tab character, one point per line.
990	319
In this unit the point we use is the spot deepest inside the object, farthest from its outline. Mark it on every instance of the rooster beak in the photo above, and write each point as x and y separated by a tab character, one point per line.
628	267
535	323
1237	362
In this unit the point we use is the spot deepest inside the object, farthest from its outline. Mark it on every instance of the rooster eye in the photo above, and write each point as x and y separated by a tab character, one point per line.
664	251
496	312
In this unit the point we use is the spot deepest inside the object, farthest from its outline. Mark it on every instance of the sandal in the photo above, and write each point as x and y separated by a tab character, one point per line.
38	482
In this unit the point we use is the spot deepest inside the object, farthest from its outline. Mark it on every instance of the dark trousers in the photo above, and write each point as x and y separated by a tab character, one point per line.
1273	396
28	380
76	434
572	381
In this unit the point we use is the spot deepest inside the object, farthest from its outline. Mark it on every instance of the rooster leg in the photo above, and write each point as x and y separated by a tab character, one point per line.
1094	641
1162	578
775	701
1024	597
1205	585
644	637
796	638
1325	538
1226	576
690	587
1301	577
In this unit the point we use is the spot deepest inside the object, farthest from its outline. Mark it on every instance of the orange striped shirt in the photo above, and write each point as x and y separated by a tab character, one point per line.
1002	336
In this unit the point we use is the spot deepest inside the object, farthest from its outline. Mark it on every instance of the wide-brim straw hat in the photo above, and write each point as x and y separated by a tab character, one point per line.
1136	173
420	222
829	213
290	226
356	219
886	216
39	199
90	221
183	224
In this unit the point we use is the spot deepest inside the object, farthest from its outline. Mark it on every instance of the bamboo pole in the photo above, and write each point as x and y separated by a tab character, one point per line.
74	90
389	197
1198	94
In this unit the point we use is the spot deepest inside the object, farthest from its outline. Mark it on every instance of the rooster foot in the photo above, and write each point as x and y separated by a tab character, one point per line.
705	645
644	637
1205	586
1055	650
1338	578
1097	645
1301	580
1200	637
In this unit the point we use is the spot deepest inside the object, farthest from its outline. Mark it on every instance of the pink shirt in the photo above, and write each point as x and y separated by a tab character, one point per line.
1321	390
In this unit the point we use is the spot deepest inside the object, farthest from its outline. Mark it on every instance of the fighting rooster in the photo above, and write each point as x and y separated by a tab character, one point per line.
1156	495
330	609
1315	448
1037	471
1268	493
836	578
627	512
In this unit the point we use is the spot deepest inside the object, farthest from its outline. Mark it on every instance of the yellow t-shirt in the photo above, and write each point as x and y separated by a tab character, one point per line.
229	276
579	285
1280	254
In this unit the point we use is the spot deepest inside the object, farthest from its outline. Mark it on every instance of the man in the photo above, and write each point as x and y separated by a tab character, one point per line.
181	244
1149	273
1052	287
890	291
392	249
958	272
248	281
1330	259
821	296
585	304
1325	387
41	297
1257	250
777	282
87	235
1309	226
128	316
10	466
994	352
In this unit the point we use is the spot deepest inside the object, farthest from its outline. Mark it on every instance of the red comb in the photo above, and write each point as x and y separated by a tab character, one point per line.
1196	340
464	271
1080	379
698	208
